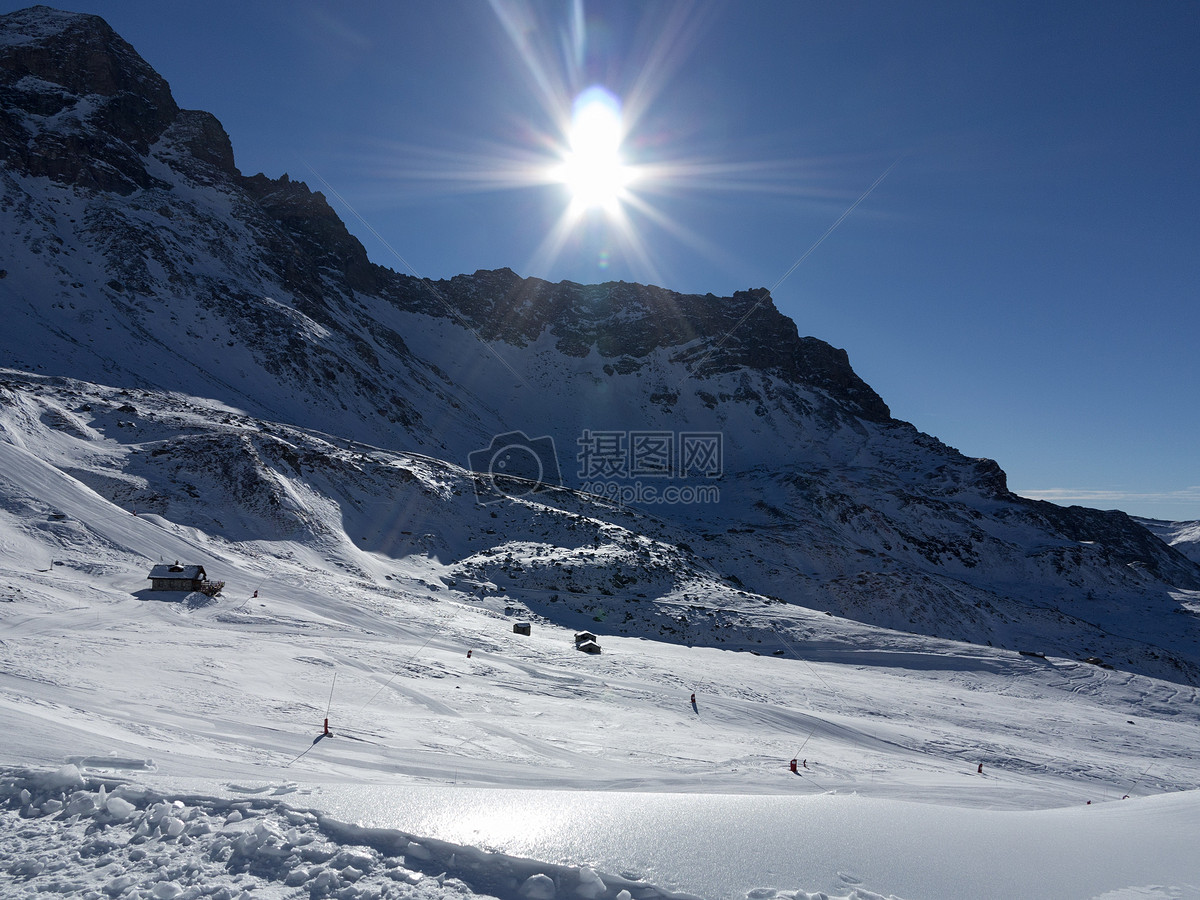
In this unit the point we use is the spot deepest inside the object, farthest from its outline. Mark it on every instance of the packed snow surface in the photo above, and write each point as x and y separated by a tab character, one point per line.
65	833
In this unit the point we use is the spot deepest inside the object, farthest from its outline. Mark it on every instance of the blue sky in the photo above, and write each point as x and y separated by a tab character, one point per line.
1023	283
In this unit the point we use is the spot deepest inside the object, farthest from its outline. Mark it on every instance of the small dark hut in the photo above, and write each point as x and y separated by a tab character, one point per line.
177	577
521	628
588	647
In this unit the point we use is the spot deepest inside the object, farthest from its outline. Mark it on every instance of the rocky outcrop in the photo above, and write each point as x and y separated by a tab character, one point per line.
319	236
197	145
626	323
80	105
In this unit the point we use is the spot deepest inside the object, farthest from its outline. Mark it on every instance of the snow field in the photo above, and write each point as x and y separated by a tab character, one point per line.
67	834
379	573
64	832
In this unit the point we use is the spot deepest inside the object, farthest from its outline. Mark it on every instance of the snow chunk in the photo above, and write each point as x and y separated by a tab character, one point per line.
416	851
538	887
66	778
590	885
119	808
119	885
325	883
27	867
353	858
81	804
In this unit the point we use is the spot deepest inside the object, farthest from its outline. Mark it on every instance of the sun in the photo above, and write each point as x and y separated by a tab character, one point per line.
592	168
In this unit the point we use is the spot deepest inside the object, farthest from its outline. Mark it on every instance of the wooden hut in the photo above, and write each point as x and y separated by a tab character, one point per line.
177	577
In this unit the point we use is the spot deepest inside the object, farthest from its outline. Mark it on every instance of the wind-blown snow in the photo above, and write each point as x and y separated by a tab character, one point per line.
91	836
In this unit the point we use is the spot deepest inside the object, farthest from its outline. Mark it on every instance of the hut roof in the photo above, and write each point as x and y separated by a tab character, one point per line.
190	573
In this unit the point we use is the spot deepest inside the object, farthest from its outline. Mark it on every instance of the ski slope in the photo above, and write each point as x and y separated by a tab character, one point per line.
465	758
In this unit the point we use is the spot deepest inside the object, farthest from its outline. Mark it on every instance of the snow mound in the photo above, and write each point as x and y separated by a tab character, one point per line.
61	833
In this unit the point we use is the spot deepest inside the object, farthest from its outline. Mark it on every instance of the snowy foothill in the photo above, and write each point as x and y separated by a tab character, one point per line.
1183	536
162	744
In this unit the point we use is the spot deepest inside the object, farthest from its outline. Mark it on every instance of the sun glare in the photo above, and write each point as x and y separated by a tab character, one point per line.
592	168
617	168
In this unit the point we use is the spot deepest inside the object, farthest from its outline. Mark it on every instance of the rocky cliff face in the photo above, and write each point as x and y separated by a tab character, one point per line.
626	323
136	255
79	105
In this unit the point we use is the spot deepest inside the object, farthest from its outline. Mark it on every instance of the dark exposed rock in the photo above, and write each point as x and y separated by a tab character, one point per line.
94	106
320	236
202	147
627	322
80	53
1120	540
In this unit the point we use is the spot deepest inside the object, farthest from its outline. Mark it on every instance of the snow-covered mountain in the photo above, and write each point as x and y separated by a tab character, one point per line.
1183	536
137	258
388	474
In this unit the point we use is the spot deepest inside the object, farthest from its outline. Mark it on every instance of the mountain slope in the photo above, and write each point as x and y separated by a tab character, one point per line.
1183	536
137	256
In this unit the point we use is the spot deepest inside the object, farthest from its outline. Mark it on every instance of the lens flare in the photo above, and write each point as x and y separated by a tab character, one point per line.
592	167
623	164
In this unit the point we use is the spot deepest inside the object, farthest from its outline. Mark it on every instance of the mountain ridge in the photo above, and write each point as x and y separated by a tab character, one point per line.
497	305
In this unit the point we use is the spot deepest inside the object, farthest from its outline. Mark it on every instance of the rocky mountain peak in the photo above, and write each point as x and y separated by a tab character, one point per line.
626	323
318	233
77	102
83	108
79	53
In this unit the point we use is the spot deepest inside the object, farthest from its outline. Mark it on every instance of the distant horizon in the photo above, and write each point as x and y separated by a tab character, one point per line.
997	226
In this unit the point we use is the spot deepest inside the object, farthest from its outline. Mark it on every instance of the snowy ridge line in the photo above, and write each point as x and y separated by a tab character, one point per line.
95	836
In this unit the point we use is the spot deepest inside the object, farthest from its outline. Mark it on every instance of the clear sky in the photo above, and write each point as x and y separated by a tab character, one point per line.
1022	284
